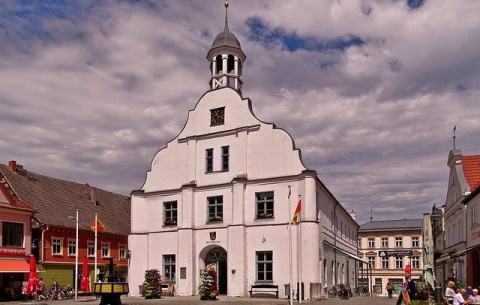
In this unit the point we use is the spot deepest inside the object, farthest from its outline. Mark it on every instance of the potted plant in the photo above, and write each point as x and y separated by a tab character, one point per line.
170	222
152	284
265	215
215	218
208	285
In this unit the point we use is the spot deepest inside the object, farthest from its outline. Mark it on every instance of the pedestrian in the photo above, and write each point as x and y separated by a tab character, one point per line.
41	289
389	289
449	292
412	290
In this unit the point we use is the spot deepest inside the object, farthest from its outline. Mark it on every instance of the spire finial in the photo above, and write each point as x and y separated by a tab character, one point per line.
454	129
226	14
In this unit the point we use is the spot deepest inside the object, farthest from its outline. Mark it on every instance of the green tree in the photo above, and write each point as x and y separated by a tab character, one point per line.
153	284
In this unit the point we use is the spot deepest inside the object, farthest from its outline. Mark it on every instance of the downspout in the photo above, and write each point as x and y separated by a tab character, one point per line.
335	242
42	246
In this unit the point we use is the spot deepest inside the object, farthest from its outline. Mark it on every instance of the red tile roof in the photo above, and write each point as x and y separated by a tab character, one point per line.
471	170
12	200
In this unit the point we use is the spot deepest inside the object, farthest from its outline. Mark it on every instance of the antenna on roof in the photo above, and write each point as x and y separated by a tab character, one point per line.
371	214
454	129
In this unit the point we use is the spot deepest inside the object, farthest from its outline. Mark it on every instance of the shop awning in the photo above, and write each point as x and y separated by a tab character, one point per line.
14	266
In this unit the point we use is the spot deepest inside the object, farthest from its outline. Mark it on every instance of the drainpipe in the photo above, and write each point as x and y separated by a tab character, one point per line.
335	242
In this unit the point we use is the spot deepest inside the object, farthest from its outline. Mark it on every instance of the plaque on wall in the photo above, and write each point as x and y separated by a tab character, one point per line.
183	273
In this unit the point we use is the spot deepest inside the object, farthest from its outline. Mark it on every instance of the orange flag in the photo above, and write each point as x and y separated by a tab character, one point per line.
100	227
298	211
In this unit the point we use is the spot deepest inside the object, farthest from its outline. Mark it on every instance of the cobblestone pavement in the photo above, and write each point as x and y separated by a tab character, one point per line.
194	300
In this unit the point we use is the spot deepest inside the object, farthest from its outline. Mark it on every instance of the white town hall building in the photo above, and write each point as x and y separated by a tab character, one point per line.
223	193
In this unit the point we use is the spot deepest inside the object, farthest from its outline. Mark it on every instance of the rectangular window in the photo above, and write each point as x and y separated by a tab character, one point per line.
384	262
122	251
264	203
359	243
399	262
169	267
415	241
264	266
90	248
225	157
371	243
170	213
415	262
473	216
57	246
215	208
105	249
209	160
384	242
72	249
371	261
12	234
398	242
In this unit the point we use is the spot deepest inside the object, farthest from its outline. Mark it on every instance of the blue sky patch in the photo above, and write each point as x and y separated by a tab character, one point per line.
259	31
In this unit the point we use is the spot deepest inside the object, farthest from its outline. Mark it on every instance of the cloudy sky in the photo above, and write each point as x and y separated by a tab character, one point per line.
370	90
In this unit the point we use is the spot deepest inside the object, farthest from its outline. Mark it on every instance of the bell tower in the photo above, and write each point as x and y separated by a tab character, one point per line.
226	59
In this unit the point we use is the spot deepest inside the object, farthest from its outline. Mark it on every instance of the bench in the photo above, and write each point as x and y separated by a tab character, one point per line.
263	288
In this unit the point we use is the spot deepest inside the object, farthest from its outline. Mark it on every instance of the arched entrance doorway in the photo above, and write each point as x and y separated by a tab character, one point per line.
218	257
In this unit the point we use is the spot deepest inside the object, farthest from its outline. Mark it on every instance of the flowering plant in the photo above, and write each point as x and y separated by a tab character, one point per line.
170	222
265	215
153	284
208	285
215	218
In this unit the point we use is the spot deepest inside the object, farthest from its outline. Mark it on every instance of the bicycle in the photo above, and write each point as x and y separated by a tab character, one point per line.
55	294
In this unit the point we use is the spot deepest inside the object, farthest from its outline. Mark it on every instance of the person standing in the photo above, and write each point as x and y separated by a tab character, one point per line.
41	289
389	289
449	292
412	290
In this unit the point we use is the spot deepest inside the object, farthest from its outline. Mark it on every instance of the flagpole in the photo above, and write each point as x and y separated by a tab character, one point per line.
299	253
96	230
290	272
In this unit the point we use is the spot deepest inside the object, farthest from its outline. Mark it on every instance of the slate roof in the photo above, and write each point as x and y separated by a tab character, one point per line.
471	170
13	202
55	200
392	225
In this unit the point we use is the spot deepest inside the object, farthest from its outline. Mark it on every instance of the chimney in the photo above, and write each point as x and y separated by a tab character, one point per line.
353	214
13	165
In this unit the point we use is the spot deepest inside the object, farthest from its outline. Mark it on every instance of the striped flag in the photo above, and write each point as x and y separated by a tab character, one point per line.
298	211
100	227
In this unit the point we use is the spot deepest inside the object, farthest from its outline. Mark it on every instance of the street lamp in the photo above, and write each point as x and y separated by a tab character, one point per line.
435	218
76	254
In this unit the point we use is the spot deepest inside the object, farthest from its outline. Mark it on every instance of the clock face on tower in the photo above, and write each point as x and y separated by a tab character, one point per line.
217	116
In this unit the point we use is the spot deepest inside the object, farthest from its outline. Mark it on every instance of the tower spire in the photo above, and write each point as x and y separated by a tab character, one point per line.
226	59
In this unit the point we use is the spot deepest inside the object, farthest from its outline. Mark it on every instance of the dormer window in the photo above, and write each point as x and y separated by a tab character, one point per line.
217	116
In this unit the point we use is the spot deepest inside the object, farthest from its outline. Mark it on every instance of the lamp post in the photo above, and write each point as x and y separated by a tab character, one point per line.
435	217
76	254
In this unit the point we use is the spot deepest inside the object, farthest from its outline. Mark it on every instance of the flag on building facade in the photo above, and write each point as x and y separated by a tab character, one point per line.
100	227
296	215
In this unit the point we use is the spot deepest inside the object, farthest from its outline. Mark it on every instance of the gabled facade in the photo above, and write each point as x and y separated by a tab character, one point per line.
15	240
464	177
222	195
377	239
53	228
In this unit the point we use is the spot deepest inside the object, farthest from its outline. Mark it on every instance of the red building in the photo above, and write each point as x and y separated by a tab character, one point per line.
54	226
15	219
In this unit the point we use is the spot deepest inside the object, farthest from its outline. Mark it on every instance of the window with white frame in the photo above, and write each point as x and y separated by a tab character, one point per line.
398	242
105	249
12	234
169	267
371	261
384	262
264	263
415	241
371	243
90	248
72	249
225	158
57	246
264	202
122	251
399	262
384	242
415	261
215	208
359	242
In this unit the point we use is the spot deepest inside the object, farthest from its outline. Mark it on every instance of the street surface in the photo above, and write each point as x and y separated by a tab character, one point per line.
195	300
